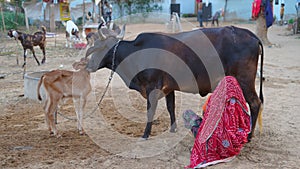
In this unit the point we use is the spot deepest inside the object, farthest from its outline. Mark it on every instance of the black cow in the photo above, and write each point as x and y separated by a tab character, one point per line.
157	64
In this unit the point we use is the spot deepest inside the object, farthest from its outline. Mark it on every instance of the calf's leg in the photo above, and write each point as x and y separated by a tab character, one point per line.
50	115
79	106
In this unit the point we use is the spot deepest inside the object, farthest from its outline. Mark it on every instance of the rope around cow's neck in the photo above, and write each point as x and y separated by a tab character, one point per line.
110	77
106	88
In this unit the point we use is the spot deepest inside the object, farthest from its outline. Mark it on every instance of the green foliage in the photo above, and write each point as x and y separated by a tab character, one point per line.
291	21
9	19
189	15
141	6
79	21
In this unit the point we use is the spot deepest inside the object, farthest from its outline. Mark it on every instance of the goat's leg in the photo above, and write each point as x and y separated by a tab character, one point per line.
42	47
37	61
170	99
25	55
152	100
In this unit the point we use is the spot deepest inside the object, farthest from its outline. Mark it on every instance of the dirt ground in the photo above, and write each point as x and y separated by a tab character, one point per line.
26	143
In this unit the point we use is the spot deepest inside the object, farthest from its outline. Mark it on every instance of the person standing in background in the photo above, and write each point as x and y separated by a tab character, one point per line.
216	16
281	13
107	8
200	12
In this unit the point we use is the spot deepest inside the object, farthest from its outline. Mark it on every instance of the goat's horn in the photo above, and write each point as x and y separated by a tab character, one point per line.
101	35
122	33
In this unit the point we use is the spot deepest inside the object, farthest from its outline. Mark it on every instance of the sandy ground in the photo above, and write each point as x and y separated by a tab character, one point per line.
25	141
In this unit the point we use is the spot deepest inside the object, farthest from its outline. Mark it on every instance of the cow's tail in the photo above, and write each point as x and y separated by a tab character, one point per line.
261	97
38	88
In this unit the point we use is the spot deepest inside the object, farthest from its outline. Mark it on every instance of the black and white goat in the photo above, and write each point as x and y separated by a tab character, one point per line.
72	33
29	41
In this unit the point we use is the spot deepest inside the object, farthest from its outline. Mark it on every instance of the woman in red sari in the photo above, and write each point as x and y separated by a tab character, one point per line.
224	128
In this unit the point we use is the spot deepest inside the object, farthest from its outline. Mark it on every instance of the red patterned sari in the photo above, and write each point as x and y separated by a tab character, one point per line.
224	128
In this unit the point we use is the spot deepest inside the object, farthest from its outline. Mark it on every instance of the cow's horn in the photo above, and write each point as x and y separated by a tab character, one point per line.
101	35
122	33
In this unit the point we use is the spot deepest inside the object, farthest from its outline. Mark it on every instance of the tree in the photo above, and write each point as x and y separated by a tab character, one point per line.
261	22
225	10
138	6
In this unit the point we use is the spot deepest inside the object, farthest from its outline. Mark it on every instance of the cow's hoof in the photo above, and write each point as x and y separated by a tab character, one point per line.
43	61
249	137
145	137
142	139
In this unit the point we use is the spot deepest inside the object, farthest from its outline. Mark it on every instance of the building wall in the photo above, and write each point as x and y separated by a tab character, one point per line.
236	9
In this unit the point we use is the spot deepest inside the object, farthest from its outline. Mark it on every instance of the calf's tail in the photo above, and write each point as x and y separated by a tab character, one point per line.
38	88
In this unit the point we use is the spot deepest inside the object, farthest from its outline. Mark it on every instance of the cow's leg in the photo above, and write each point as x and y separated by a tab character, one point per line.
253	101
152	99
170	99
37	61
254	104
42	47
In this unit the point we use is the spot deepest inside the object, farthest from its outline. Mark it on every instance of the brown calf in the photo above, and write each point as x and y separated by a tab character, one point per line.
61	84
29	41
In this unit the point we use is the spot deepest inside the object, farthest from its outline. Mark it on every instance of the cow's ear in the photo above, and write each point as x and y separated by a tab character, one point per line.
90	51
98	46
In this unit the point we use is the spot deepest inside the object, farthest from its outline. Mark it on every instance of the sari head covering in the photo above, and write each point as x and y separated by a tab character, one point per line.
224	128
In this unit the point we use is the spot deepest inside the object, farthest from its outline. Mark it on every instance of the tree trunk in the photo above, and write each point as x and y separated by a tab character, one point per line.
261	29
83	11
225	10
3	21
52	18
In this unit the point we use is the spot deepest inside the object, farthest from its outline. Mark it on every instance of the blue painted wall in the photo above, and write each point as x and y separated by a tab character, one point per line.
236	9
